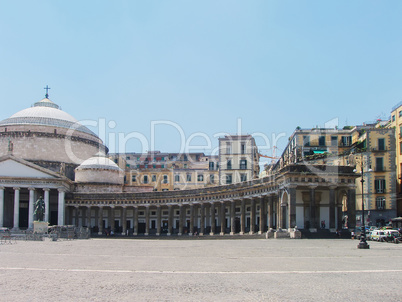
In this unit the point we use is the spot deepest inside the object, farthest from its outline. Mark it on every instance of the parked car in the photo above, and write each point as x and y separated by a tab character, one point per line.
378	235
391	235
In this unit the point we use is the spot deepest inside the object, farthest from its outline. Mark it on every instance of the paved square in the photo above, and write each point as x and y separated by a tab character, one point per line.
200	270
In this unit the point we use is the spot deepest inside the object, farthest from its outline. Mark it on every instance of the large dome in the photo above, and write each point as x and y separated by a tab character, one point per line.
45	113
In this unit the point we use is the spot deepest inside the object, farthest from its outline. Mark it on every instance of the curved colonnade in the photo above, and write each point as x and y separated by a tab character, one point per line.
294	197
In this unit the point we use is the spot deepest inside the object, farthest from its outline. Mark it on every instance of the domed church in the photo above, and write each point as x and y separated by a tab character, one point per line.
42	148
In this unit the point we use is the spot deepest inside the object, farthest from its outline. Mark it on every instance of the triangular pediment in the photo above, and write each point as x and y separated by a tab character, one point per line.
20	169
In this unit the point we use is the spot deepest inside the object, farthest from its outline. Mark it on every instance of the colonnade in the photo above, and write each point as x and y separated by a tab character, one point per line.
31	203
231	216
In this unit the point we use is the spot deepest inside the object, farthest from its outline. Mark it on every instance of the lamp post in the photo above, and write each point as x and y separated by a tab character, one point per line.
363	243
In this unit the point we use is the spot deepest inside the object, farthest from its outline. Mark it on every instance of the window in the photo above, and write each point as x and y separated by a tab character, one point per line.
243	149
243	164
133	178
177	178
381	144
211	165
127	157
185	158
321	141
200	177
400	113
163	166
211	178
145	179
379	164
346	140
154	166
229	164
153	178
188	177
380	202
243	177
306	141
393	118
400	148
334	141
379	185
165	179
185	166
228	179
228	148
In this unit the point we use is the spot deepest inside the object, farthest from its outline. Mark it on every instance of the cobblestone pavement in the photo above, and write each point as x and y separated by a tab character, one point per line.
200	270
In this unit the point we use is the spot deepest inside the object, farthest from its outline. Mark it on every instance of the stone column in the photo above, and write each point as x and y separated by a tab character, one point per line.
232	217
262	215
158	220
313	218
190	232
135	221
170	220
271	212
223	216
31	207
213	225
252	216
61	204
77	213
89	217
292	206
124	221
181	218
202	219
47	204
243	217
146	220
16	208
332	221
207	216
100	221
1	207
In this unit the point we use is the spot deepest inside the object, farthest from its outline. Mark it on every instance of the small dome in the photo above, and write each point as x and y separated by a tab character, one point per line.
99	161
99	169
46	113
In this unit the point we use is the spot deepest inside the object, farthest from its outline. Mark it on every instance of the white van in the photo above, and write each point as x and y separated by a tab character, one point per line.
377	235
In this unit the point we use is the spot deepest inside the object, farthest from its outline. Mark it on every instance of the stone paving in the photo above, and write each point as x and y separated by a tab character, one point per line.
200	270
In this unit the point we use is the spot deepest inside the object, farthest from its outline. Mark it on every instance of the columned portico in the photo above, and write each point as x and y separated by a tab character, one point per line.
181	219
270	211
190	231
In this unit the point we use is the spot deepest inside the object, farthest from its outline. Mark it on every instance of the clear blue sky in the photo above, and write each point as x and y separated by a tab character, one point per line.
204	64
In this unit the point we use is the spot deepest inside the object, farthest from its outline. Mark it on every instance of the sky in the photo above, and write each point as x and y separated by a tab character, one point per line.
168	75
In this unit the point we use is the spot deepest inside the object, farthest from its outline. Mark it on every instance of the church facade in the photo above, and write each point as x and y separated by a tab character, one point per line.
46	152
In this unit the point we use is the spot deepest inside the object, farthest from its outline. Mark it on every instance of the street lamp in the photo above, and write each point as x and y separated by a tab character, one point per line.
363	243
